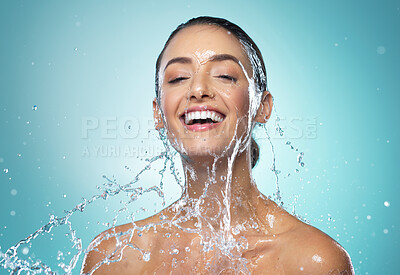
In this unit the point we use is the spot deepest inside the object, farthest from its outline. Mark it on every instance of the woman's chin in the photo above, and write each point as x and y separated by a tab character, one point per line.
204	147
206	154
203	150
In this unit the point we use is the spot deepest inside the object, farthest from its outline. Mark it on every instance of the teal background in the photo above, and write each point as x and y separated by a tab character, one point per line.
333	68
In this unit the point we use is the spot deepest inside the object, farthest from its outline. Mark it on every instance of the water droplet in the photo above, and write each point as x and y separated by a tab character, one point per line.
14	192
5	170
64	196
64	157
369	217
146	256
174	263
385	231
34	107
175	251
386	203
25	250
300	159
336	44
19	155
76	49
381	50
12	213
235	231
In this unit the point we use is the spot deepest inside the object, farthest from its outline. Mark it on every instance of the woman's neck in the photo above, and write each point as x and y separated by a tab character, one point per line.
223	189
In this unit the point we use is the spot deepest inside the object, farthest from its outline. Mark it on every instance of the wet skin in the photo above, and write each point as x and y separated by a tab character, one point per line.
273	241
289	247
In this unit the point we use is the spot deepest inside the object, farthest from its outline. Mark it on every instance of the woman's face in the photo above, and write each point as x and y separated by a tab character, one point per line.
204	91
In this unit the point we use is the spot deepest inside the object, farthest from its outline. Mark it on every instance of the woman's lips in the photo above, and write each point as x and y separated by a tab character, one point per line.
201	118
198	127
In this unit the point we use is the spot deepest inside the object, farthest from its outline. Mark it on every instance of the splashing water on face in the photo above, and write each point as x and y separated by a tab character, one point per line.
221	240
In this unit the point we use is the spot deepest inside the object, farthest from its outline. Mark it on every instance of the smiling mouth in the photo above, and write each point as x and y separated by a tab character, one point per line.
202	117
202	120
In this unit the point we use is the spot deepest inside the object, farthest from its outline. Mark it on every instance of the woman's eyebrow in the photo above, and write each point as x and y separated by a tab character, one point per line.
214	58
223	57
183	60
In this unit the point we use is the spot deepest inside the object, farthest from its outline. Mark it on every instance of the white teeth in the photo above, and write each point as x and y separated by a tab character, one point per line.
213	116
189	117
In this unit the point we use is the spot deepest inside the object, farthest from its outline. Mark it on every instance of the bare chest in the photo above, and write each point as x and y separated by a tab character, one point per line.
191	258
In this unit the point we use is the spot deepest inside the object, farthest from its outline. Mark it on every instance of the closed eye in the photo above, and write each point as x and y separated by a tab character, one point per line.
176	80
225	76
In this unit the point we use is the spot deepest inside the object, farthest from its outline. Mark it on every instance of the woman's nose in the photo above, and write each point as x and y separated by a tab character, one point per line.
200	88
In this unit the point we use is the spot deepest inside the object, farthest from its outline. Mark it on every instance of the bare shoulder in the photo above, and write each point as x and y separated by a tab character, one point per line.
313	251
116	250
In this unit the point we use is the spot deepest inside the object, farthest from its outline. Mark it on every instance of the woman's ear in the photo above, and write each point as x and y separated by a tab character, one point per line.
158	121
265	109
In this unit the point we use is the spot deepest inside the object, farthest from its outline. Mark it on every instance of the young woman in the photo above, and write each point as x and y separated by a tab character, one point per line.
210	92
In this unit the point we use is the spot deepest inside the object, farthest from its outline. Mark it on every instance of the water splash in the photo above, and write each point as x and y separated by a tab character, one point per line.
223	242
10	259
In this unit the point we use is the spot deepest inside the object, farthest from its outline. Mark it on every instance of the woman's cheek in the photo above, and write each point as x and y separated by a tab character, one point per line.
240	99
168	101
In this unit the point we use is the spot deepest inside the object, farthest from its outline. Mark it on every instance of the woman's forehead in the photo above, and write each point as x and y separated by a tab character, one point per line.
201	42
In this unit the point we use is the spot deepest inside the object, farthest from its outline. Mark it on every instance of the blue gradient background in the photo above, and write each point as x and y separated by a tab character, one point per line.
333	68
